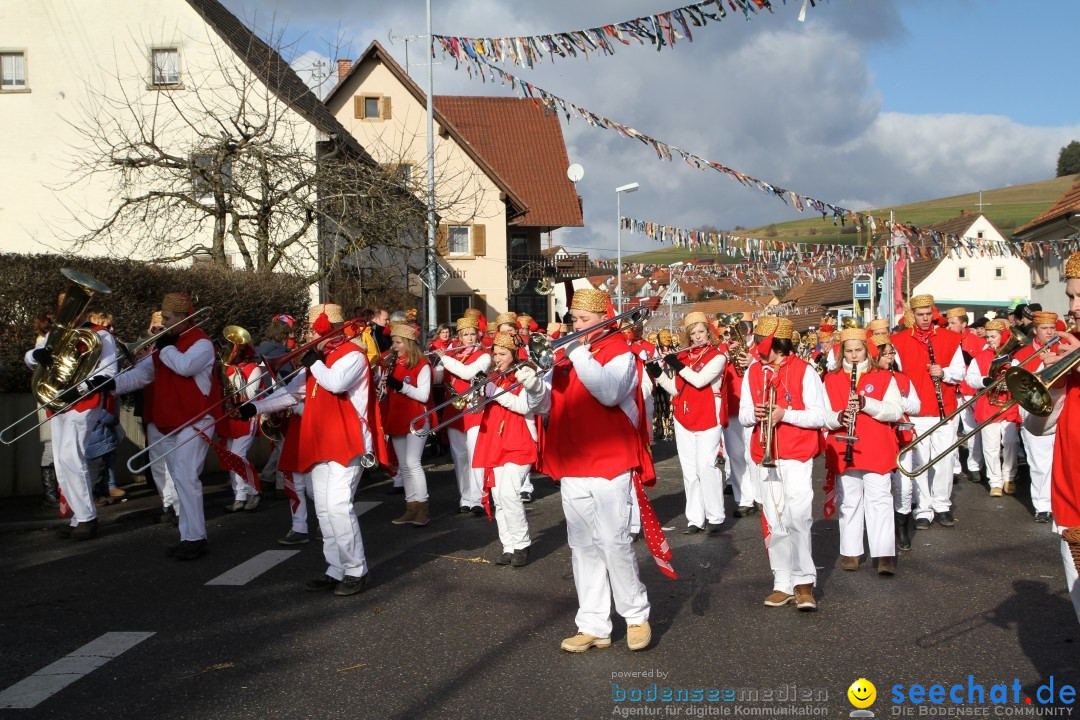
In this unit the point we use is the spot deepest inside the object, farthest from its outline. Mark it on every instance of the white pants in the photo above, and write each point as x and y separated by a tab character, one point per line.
509	510
527	484
973	444
598	530
787	499
1040	457
185	465
269	475
1072	582
934	486
470	480
69	431
408	449
302	487
160	469
735	452
333	487
240	446
866	502
999	441
702	481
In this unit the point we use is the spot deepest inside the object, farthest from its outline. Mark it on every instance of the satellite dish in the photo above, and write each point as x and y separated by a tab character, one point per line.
575	172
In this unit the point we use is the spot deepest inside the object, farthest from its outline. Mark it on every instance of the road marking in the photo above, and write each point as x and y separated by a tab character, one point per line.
49	680
245	572
362	506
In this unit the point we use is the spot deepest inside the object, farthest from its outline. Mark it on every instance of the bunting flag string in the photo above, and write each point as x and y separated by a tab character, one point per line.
661	30
862	221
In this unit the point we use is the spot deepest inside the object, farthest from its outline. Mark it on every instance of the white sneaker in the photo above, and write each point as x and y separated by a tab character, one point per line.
252	502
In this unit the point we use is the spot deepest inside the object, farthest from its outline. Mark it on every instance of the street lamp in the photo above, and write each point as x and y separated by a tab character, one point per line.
632	187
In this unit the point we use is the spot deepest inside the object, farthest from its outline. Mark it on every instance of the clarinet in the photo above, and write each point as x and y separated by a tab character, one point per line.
936	380
850	438
380	392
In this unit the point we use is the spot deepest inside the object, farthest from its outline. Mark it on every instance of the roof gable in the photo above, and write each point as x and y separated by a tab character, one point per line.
1066	204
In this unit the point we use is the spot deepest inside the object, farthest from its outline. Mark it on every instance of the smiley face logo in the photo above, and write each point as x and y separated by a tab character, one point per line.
862	693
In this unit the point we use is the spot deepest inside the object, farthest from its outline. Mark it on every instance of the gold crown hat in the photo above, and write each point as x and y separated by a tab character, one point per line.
1072	267
590	300
921	301
177	303
505	340
468	323
473	312
852	334
402	330
784	329
881	325
524	321
956	312
333	313
506	318
765	325
1045	317
693	318
881	339
998	325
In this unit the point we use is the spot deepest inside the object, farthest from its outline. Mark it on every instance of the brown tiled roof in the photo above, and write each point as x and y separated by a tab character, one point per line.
524	144
731	305
1067	203
838	292
275	73
598	280
960	224
377	53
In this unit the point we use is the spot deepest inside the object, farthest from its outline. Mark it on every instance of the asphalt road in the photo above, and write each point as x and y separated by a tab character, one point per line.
443	633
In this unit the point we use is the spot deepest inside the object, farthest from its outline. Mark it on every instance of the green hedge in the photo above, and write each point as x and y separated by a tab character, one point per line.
29	285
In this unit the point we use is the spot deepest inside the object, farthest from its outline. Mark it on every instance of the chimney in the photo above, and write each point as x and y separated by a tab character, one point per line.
343	68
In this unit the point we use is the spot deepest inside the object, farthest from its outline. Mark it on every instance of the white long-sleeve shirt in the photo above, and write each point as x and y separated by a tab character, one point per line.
528	404
469	371
197	363
887	410
711	374
290	395
419	392
911	403
813	396
612	384
106	364
350	376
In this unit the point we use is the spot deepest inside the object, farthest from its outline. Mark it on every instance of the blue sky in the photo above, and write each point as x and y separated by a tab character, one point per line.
868	103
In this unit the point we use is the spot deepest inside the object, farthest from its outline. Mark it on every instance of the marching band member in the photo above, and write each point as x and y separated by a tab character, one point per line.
786	491
956	319
408	395
661	398
72	428
737	437
243	377
596	447
695	391
463	367
297	483
275	343
865	484
931	380
1040	448
184	385
526	326
909	401
1000	437
1065	480
334	434
485	333
506	447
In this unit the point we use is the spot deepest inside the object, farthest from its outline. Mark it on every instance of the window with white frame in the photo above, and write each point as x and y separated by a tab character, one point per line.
207	174
164	67
999	273
459	304
980	234
12	70
962	273
458	240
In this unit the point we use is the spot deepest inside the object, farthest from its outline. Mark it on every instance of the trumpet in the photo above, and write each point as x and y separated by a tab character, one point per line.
768	428
451	351
541	350
1029	390
661	358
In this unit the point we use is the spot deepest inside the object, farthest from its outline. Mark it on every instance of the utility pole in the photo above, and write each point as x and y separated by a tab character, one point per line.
429	287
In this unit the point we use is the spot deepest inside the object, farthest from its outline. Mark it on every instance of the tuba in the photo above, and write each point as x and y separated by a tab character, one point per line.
75	351
233	387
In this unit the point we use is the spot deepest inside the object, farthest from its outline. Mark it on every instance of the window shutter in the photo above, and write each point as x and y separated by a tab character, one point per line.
442	240
479	240
384	108
358	106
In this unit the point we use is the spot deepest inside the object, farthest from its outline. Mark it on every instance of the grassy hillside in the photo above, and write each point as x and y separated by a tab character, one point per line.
1008	208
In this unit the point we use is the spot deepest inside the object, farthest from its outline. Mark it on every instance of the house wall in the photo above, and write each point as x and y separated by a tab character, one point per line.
464	194
1047	274
982	286
76	51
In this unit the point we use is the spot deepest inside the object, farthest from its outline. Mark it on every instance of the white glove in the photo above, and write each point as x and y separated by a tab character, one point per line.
528	379
573	347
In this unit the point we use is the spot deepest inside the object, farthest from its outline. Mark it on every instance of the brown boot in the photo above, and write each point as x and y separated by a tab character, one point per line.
886	565
409	516
804	597
421	519
849	562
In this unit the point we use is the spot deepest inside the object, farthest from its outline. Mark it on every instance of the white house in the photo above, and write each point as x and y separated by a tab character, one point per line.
1060	222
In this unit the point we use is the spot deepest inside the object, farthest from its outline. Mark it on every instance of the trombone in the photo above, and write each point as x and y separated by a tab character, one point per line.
124	351
1025	388
541	351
